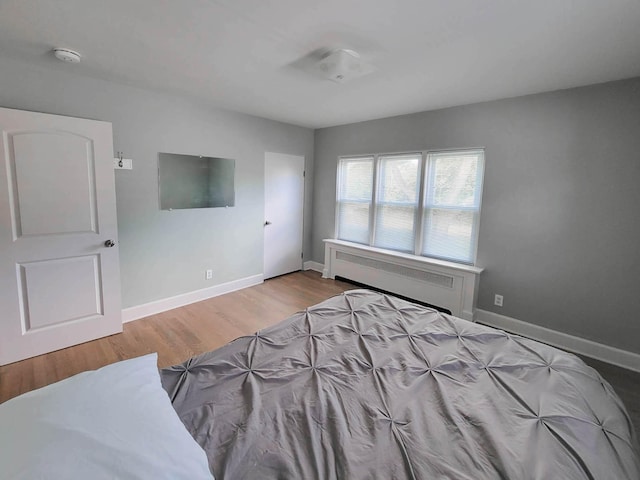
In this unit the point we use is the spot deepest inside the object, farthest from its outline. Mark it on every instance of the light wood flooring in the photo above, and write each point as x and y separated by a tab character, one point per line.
193	329
177	334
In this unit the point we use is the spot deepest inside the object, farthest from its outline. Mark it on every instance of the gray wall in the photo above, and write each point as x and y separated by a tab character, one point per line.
560	221
166	253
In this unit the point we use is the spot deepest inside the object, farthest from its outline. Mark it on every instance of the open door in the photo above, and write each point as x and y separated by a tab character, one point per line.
59	267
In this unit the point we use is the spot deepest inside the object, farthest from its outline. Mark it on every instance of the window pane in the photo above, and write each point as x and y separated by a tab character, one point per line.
397	201
353	222
449	234
356	177
398	176
455	178
355	187
394	228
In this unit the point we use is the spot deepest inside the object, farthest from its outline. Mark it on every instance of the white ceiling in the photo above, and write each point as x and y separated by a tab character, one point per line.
245	55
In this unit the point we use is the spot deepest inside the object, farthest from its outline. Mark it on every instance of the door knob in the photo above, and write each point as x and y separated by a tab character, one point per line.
267	223
109	243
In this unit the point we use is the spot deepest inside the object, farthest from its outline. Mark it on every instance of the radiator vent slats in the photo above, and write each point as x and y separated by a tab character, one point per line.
431	277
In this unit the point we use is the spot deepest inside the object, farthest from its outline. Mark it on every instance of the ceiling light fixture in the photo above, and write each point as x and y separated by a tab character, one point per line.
67	55
342	65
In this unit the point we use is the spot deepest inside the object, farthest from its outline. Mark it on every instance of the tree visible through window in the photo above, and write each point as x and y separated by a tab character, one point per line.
426	203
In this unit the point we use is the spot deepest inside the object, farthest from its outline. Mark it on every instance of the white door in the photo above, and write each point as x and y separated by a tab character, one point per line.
283	213
59	277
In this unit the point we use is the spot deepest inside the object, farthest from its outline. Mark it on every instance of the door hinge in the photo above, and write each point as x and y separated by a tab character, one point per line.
301	254
304	173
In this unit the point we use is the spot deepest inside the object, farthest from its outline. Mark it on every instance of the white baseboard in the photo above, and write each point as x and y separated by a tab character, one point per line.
315	266
588	348
159	306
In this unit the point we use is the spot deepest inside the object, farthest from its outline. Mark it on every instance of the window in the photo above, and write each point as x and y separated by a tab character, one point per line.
452	205
425	203
397	202
355	186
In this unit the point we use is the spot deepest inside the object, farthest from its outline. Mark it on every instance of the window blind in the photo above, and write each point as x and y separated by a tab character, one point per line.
452	204
425	203
397	201
354	193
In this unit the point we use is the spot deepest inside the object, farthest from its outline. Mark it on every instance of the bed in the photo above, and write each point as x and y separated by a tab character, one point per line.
365	385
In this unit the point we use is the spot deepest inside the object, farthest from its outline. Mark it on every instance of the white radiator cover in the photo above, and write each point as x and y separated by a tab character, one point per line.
445	284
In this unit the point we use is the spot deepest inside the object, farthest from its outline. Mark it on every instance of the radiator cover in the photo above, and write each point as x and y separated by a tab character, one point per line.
446	284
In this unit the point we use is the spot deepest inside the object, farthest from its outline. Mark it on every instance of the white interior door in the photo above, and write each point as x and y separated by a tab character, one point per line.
59	280
284	210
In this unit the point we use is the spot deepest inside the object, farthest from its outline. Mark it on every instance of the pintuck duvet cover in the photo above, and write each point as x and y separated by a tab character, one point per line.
367	386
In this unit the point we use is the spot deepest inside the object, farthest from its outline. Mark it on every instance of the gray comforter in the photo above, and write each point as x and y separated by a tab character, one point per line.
366	386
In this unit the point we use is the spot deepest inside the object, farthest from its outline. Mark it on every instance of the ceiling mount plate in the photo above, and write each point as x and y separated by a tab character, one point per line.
343	65
67	55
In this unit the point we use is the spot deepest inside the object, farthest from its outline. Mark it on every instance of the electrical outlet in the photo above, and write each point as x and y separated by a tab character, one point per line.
208	274
498	300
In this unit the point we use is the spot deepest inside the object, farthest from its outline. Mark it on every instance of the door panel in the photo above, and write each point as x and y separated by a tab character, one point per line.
59	283
41	207
47	301
284	210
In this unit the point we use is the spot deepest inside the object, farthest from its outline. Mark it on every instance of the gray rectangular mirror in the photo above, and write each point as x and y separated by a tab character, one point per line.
191	181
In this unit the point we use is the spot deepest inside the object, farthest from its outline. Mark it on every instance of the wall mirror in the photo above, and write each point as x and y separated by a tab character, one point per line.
191	181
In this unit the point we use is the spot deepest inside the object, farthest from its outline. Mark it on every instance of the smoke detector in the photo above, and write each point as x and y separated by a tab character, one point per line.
67	55
343	65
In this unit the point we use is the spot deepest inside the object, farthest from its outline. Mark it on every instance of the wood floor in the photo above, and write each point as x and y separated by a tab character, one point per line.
181	333
177	334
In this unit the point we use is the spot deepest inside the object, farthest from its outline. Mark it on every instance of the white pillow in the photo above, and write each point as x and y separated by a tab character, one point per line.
113	423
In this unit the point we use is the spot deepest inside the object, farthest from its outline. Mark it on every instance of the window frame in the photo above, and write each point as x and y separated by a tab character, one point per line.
425	179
